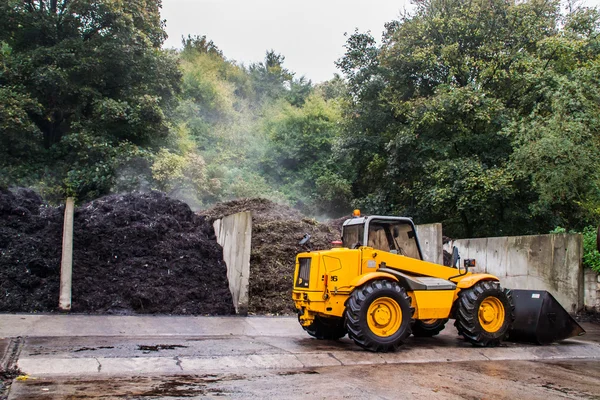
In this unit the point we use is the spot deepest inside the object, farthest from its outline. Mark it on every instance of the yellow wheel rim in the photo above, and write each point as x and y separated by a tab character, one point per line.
491	314
384	317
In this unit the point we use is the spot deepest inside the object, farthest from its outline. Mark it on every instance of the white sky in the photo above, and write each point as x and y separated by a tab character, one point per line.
309	33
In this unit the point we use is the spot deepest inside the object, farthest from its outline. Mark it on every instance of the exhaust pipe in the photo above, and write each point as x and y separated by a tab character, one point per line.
540	319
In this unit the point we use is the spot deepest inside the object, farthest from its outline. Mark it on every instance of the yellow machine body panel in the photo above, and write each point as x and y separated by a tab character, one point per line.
432	304
369	276
329	282
468	281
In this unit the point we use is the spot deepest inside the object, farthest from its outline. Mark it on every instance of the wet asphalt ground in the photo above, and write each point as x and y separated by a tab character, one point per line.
204	357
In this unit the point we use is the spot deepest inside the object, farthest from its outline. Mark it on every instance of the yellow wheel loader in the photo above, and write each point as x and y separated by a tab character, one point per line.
376	288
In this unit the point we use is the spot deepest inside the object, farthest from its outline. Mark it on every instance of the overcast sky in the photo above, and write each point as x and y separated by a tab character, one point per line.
309	33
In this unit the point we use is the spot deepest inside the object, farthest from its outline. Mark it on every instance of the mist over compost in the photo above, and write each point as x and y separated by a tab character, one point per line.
133	253
276	231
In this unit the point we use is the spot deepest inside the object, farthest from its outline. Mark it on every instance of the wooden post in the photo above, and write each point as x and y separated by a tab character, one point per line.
66	264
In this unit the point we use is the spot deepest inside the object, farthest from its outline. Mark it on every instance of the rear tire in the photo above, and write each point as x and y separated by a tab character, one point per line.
326	328
378	316
428	328
484	313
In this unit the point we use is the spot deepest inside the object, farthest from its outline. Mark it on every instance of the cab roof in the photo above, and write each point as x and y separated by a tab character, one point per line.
362	220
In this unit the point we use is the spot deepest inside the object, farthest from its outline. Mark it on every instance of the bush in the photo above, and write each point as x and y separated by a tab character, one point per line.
591	256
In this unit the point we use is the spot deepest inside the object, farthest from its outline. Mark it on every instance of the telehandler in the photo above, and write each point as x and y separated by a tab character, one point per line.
377	289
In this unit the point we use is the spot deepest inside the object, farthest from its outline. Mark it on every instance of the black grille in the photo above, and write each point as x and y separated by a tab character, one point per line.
303	273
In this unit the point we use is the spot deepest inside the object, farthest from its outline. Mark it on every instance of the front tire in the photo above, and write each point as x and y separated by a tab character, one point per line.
326	328
484	313
428	328
378	316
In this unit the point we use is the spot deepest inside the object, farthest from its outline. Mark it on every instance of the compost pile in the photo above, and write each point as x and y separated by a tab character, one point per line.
276	231
30	250
132	253
336	224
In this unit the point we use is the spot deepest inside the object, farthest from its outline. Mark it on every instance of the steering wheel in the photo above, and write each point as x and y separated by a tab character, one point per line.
356	245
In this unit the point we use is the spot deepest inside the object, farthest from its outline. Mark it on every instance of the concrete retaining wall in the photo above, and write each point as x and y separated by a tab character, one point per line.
430	240
234	234
592	290
543	262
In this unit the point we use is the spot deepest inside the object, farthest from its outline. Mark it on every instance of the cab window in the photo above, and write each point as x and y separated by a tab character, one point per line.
352	235
396	237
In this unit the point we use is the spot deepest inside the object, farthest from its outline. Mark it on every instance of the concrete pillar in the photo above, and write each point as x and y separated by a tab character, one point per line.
430	240
66	264
234	234
592	290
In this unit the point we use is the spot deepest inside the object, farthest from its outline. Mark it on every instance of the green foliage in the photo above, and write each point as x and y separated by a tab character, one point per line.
480	115
260	131
557	147
333	194
85	86
89	104
591	256
193	45
270	77
300	138
299	153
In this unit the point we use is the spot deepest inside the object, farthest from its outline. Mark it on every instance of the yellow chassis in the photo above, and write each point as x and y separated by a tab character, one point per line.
328	298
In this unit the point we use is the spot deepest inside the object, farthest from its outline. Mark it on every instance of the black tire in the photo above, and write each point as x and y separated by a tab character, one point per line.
428	328
357	307
467	313
326	328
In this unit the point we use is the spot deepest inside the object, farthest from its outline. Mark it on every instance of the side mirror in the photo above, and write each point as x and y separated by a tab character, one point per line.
304	240
455	260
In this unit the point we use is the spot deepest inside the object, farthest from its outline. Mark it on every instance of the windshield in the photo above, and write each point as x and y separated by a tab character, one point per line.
393	236
352	235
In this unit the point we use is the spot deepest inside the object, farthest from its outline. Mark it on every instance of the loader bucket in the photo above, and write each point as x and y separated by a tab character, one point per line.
540	319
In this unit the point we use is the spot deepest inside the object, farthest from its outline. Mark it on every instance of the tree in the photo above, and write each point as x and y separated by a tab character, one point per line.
269	77
299	154
199	45
92	78
447	117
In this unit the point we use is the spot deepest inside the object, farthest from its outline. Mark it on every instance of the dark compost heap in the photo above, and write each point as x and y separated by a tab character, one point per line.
276	231
133	253
30	250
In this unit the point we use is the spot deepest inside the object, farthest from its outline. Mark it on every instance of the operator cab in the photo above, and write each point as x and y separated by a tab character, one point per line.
396	235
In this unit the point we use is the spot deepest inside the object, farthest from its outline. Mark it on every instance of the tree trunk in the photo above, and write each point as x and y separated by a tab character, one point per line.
53	129
467	226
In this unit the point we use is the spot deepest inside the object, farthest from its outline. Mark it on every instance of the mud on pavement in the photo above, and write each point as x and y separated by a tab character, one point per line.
9	354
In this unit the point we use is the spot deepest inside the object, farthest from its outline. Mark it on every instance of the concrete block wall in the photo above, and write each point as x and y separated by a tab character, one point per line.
592	290
541	262
430	240
234	234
